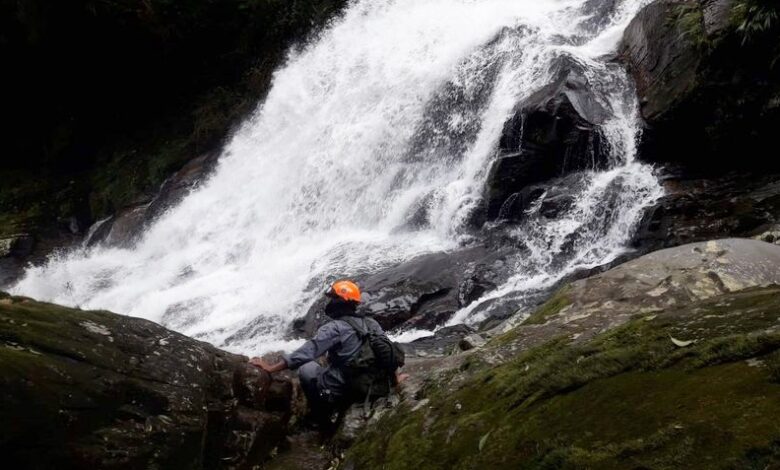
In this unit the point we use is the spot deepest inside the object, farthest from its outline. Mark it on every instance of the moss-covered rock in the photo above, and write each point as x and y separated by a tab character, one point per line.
81	389
627	369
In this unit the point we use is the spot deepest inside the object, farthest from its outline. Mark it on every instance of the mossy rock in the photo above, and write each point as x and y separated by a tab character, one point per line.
628	398
92	389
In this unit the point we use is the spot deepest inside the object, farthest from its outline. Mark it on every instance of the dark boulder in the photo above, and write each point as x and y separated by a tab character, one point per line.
709	88
97	390
552	133
695	209
421	293
547	199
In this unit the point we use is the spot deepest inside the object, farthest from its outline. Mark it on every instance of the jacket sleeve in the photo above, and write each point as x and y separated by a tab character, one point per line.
327	336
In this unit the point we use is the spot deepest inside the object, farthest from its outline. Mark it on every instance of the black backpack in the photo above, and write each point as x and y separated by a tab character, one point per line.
371	371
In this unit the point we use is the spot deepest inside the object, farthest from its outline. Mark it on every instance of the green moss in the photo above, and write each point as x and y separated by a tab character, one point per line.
629	398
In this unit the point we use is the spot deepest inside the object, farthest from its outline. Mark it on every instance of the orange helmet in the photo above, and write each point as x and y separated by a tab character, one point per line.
346	290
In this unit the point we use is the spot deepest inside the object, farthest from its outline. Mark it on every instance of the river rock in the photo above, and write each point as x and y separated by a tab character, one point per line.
97	390
421	293
553	132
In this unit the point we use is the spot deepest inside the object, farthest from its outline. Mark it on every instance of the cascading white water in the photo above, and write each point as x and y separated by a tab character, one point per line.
398	105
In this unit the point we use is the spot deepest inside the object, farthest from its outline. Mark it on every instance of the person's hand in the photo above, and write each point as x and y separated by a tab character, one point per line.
399	377
270	368
259	362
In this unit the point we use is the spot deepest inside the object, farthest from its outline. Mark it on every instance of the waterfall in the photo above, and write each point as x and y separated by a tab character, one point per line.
398	104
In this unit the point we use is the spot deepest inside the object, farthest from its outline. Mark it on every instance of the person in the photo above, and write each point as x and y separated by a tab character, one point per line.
342	339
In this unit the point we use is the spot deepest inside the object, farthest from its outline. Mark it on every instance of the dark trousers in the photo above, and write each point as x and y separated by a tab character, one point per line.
321	399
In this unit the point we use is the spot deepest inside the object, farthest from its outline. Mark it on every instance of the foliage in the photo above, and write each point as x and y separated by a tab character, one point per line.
756	18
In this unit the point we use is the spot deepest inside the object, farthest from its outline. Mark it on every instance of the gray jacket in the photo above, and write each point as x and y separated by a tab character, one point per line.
340	342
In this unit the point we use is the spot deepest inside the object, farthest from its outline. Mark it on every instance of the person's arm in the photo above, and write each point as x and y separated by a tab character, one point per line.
327	336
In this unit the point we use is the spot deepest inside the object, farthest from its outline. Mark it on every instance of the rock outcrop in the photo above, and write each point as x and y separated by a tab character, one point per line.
702	208
669	360
708	82
552	133
83	389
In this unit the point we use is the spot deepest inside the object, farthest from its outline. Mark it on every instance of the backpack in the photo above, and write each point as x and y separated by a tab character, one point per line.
371	371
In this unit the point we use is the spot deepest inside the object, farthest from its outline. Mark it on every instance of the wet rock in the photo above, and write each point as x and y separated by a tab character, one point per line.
421	293
695	209
548	199
97	390
444	341
124	227
707	92
471	341
553	132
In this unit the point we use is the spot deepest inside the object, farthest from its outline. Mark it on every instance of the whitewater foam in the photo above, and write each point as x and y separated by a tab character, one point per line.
397	106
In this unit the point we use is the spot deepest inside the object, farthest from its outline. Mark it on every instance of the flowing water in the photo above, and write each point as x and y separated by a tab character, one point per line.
398	105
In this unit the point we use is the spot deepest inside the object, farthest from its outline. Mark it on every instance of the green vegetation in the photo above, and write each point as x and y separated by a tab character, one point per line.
756	18
629	398
690	24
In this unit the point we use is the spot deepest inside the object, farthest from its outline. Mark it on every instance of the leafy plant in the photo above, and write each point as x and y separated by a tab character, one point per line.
757	17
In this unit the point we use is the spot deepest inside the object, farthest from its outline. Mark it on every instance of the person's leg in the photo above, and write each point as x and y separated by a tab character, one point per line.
318	396
309	375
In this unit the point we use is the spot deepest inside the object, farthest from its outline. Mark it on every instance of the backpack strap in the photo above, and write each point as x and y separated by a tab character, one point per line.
352	322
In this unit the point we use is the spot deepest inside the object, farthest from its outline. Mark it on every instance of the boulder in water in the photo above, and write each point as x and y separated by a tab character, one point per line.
552	133
423	292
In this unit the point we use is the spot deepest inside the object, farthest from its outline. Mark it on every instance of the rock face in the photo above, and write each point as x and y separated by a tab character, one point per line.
695	209
97	390
553	132
709	89
672	357
124	227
